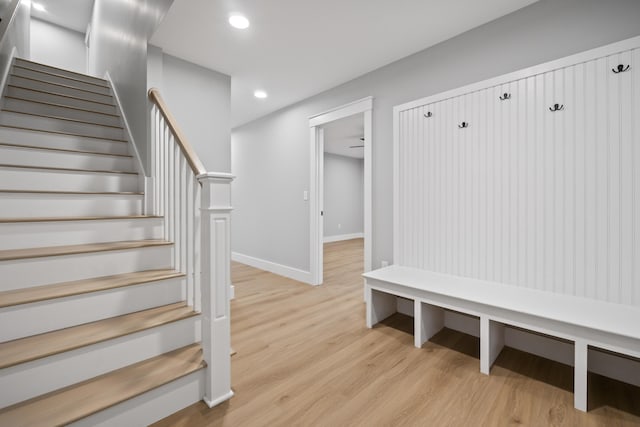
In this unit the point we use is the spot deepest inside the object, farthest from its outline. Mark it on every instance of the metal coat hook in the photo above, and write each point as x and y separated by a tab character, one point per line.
556	107
463	125
428	114
621	69
505	96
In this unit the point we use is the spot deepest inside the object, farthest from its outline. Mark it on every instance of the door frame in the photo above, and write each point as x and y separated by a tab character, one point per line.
316	184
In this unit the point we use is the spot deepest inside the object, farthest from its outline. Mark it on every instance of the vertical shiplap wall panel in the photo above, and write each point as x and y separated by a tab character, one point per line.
526	196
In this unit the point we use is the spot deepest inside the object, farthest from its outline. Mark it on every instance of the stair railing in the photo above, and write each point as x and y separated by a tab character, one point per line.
196	206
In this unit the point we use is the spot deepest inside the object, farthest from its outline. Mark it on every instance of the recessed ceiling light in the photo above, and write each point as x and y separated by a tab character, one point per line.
39	7
260	94
239	21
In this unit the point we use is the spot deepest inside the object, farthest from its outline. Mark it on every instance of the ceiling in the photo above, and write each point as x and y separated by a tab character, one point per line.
340	135
72	14
297	48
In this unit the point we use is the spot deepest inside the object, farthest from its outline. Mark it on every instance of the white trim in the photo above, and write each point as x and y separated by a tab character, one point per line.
346	110
219	400
585	56
272	267
341	237
364	106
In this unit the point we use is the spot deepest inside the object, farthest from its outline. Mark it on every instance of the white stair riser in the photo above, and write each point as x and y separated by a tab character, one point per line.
25	205
49	124
41	234
52	78
59	111
51	373
20	274
66	142
151	406
51	180
60	90
64	159
53	70
33	95
31	319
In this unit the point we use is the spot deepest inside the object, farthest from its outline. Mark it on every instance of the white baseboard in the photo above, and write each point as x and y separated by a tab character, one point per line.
606	364
272	267
340	237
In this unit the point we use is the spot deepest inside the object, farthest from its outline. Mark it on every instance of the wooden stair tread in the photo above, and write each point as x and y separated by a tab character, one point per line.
17	86
62	85
75	402
105	82
63	133
77	287
52	168
13	254
77	218
120	193
102	83
66	150
54	104
35	347
66	119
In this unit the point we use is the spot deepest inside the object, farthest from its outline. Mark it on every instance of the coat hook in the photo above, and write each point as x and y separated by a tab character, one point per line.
505	96
556	107
463	125
621	69
428	114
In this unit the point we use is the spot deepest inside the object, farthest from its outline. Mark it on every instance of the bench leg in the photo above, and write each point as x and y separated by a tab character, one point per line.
380	305
580	375
491	343
428	321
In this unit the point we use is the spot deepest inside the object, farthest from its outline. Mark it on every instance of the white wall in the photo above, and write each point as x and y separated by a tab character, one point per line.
58	46
200	100
343	195
270	156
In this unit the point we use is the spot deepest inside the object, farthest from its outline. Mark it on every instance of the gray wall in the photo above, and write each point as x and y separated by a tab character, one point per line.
14	33
200	100
270	156
343	195
58	46
118	45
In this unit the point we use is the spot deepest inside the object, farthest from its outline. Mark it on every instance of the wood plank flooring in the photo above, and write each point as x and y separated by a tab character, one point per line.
305	358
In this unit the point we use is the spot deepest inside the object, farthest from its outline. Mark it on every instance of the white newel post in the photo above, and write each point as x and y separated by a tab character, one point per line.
216	282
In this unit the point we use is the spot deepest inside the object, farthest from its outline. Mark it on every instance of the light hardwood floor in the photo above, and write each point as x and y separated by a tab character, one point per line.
305	358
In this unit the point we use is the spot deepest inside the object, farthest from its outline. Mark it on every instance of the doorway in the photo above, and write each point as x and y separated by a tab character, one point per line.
317	124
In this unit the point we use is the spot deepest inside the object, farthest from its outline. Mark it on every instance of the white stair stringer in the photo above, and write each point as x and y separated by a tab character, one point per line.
47	157
47	374
22	235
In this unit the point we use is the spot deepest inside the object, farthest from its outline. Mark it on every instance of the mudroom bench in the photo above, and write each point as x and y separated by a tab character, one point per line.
584	322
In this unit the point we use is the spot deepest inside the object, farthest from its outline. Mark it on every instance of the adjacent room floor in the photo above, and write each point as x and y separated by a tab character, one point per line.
305	358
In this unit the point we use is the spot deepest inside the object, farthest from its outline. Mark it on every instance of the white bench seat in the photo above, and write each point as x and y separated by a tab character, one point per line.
585	322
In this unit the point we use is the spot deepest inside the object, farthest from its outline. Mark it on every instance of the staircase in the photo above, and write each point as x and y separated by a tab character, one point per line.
94	324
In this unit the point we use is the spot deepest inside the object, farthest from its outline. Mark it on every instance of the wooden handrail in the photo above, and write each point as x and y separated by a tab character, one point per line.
192	158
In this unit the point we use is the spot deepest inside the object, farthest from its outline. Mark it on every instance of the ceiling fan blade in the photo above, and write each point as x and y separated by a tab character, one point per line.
356	146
